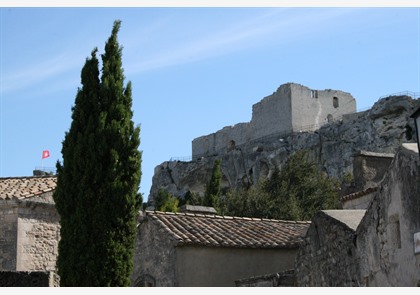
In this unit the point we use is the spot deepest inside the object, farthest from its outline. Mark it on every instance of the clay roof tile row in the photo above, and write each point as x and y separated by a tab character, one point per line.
221	231
359	194
26	187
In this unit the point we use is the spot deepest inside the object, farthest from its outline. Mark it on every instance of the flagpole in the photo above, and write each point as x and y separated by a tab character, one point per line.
45	154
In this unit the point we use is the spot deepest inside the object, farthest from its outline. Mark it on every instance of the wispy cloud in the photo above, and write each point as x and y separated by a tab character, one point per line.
41	71
281	25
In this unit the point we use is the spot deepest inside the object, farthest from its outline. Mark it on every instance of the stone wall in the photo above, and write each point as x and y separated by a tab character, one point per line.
29	279
386	234
8	234
381	129
358	200
273	114
312	109
227	138
328	256
291	108
377	249
281	279
38	237
369	168
199	266
29	241
154	257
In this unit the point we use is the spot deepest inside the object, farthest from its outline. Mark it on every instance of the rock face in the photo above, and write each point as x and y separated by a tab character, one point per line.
381	129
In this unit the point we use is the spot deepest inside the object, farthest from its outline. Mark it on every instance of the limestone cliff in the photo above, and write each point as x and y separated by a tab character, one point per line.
380	129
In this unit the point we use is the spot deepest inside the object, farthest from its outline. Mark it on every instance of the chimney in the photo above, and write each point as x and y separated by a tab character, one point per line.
198	209
39	173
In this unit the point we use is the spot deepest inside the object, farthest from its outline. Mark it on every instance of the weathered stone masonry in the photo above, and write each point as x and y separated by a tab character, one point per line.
29	234
378	249
291	108
381	129
8	236
328	256
386	233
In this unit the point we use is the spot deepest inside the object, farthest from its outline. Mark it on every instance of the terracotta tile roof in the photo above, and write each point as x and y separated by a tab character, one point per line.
359	194
26	187
226	231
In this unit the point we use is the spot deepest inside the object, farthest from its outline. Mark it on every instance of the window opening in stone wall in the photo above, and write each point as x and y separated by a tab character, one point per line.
394	232
314	93
335	102
149	284
146	281
329	118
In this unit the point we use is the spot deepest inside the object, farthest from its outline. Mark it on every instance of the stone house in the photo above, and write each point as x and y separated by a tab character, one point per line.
328	256
191	249
29	224
369	169
379	246
358	200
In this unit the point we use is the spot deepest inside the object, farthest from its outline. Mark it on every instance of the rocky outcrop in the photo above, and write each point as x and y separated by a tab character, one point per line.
380	129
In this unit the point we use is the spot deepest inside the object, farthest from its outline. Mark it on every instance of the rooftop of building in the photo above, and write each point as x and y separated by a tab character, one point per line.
350	218
26	187
359	194
225	231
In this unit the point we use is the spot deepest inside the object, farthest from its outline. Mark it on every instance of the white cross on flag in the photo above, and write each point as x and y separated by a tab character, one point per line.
45	154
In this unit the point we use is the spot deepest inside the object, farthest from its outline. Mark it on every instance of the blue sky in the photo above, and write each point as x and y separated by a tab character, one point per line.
193	70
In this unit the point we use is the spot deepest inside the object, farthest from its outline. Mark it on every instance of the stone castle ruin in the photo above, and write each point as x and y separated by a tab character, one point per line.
292	108
295	117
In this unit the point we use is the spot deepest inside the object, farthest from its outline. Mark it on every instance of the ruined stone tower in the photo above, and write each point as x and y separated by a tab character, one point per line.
292	108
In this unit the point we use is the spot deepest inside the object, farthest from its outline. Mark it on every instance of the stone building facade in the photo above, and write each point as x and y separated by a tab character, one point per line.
292	108
380	248
29	224
328	256
389	234
202	250
369	169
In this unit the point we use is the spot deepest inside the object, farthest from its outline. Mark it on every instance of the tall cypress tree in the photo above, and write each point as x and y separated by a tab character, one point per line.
212	193
97	183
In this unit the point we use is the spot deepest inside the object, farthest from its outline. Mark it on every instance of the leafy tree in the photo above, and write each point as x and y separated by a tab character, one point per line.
191	198
212	193
161	198
295	192
97	182
166	202
243	202
171	205
302	189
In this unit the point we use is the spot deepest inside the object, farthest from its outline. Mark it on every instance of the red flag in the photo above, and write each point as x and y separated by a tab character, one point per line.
45	154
